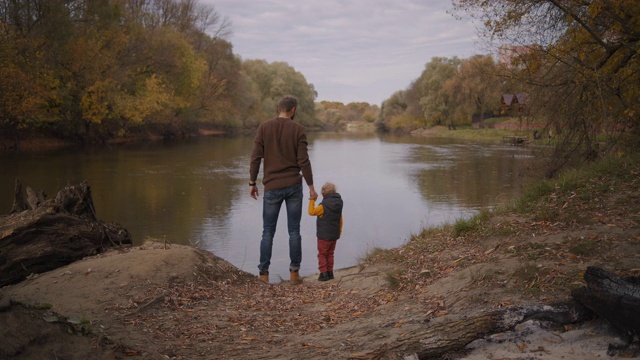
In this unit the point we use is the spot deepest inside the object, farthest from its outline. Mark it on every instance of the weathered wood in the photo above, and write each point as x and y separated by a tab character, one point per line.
450	333
18	199
35	198
57	232
612	297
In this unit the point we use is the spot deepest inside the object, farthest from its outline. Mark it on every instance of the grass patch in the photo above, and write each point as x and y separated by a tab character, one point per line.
467	132
504	120
393	278
503	231
588	180
380	255
532	194
474	223
585	248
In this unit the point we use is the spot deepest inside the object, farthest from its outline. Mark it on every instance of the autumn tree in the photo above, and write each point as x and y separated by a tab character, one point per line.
331	113
27	81
580	61
91	70
338	114
25	85
394	115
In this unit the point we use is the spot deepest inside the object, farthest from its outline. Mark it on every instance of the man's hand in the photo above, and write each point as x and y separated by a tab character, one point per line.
253	192
312	192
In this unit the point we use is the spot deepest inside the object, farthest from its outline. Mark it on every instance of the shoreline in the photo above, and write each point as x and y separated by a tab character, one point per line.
39	142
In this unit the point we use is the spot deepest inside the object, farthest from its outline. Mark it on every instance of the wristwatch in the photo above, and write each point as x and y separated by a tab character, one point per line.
252	184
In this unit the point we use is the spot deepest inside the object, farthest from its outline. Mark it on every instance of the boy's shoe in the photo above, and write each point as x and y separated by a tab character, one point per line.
331	275
264	276
324	276
294	278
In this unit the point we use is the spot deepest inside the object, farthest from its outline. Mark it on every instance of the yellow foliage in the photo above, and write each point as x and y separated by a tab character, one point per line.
96	100
405	122
151	98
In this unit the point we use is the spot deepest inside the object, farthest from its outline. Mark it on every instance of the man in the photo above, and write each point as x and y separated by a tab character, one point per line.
282	143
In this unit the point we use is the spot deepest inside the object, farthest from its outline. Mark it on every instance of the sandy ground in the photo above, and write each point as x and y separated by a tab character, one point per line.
121	305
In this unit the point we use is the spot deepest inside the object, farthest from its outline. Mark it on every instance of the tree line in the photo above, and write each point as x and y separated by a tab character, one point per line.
93	70
448	92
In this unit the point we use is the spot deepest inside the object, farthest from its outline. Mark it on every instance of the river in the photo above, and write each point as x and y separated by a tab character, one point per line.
196	192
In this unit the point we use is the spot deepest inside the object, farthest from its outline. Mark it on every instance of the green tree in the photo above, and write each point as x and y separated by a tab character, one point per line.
274	80
475	89
394	115
435	101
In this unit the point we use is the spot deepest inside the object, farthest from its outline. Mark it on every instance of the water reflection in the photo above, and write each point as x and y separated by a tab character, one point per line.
197	193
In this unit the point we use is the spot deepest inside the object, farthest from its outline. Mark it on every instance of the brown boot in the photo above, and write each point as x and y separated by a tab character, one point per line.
295	278
264	276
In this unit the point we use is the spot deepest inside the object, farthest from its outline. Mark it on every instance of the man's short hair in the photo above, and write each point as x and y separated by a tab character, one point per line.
287	103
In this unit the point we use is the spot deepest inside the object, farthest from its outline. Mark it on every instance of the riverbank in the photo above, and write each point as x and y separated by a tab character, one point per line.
160	301
472	133
30	142
40	142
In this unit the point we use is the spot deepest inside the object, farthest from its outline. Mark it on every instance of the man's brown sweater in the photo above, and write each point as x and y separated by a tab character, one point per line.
282	143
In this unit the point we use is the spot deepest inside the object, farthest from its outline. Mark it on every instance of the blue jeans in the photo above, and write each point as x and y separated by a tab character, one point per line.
272	201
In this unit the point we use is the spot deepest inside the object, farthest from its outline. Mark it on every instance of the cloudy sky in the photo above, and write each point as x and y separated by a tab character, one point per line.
350	50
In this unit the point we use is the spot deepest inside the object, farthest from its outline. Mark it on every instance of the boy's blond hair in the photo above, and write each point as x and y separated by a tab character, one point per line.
328	188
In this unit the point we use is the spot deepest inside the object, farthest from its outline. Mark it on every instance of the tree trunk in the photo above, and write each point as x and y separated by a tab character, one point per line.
614	298
452	333
18	199
55	233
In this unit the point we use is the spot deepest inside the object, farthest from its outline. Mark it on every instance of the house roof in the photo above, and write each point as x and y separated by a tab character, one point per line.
518	98
507	99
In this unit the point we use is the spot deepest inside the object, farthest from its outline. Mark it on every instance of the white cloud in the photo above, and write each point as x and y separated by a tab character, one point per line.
355	50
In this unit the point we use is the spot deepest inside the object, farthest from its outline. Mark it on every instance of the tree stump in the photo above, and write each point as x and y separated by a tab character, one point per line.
612	297
48	234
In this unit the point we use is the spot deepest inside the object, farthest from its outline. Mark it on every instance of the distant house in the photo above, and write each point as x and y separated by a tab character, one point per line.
513	104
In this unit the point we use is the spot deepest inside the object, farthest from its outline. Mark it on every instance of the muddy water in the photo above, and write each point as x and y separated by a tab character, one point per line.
197	193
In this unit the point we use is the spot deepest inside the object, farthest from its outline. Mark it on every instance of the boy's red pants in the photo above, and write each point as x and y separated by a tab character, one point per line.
326	249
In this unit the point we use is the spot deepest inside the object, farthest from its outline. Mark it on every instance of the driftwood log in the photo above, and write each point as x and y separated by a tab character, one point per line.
40	235
612	297
448	334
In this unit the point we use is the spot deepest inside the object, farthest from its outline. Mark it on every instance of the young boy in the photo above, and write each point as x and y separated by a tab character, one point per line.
328	227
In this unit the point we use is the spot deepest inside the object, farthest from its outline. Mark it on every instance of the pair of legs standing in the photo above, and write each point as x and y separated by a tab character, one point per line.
326	250
272	202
